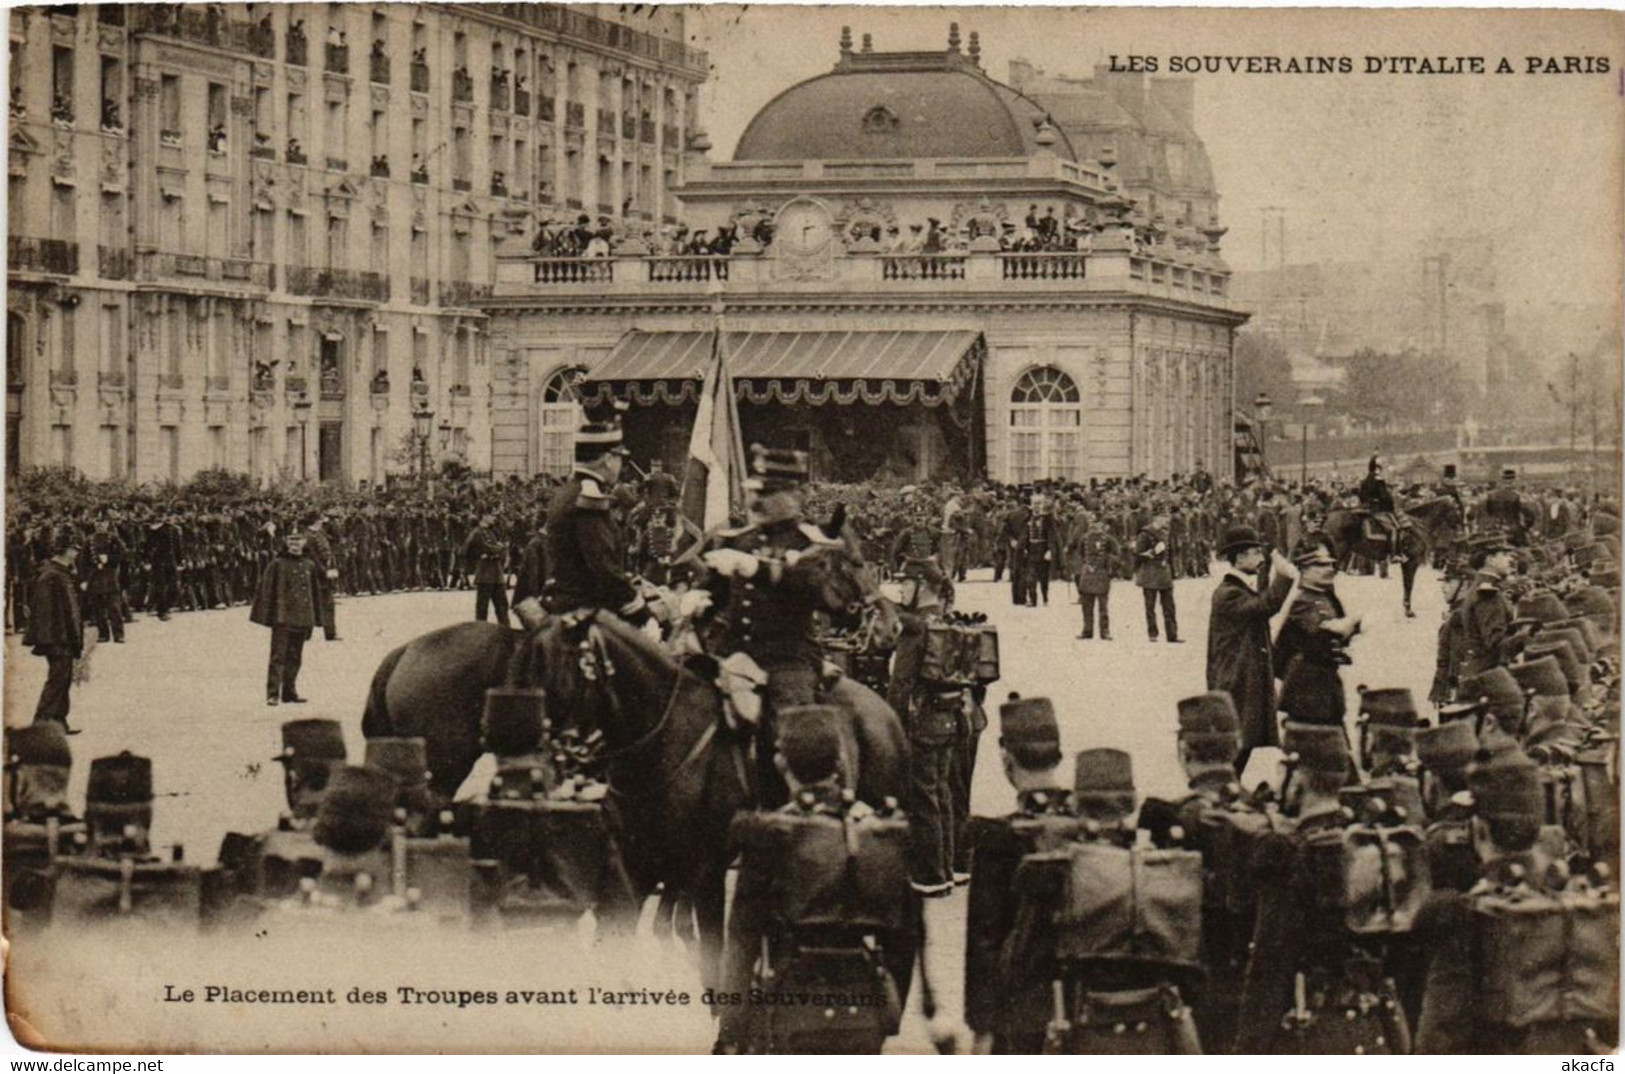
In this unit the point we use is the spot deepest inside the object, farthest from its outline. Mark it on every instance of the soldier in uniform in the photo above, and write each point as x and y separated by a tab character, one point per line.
38	823
485	555
1092	553
821	903
102	594
1154	574
1486	614
1382	523
767	581
287	602
320	550
55	629
1013	537
1311	987
1503	508
585	561
1225	827
1309	649
1526	961
1040	549
1008	1015
1445	753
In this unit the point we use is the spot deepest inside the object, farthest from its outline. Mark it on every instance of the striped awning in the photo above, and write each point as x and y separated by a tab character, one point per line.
792	367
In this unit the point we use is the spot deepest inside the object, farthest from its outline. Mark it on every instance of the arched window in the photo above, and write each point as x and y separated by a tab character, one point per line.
1046	426
560	417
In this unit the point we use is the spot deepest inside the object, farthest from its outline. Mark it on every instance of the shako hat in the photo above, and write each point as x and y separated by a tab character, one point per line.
513	721
1029	732
355	813
44	743
1543	605
1449	747
124	779
1542	676
313	739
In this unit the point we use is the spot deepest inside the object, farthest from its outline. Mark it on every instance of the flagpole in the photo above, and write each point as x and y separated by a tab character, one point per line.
725	386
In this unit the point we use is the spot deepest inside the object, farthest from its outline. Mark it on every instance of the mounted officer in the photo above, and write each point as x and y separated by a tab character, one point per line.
1008	1011
585	561
769	579
1382	523
821	901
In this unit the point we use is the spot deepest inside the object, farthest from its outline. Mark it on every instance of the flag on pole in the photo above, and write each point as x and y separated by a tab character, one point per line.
713	478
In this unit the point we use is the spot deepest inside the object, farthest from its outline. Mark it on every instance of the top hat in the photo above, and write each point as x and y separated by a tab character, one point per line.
1237	538
44	743
1104	776
812	741
1449	471
776	469
1508	473
595	439
514	720
1029	732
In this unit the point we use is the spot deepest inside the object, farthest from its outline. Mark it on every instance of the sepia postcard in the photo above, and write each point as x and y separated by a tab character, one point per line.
812	529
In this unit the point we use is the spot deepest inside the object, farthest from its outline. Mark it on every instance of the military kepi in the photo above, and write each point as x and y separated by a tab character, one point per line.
1029	732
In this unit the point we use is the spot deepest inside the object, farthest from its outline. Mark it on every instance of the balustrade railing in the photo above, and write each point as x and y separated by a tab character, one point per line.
1042	266
686	269
420	77
922	267
113	263
338	59
217	384
521	102
379	69
420	291
575	270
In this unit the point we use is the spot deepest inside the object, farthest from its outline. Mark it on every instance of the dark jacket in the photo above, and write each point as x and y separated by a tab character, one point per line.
55	627
1239	658
531	577
1301	635
770	614
585	560
1153	569
486	556
1485	618
289	594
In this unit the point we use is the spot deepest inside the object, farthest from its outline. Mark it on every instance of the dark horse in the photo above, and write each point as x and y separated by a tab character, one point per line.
677	772
1431	521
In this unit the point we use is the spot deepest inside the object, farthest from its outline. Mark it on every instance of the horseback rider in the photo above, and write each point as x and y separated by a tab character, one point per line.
768	579
1382	520
586	564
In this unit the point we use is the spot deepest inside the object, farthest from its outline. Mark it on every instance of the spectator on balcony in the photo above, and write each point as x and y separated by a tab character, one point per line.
698	244
111	120
217	138
598	244
933	236
420	170
61	109
335	37
723	244
264	374
762	232
380	382
420	56
18	109
521	84
296	152
378	49
296	35
380	165
1049	227
1032	219
499	183
417	376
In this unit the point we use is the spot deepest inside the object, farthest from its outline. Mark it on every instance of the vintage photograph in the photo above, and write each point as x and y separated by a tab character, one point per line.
537	528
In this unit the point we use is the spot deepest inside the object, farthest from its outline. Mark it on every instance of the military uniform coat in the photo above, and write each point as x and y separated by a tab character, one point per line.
1486	616
289	595
1153	569
487	556
55	626
1239	657
770	614
1091	555
585	559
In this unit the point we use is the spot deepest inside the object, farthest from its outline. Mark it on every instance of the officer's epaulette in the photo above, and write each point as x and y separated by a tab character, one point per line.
592	496
818	537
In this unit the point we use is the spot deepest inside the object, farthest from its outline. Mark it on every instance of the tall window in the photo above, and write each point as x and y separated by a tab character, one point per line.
169	108
561	414
1046	426
62	83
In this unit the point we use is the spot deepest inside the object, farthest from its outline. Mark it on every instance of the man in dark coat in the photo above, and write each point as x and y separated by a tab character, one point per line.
1154	574
1091	553
102	590
1239	660
486	556
1309	649
586	562
289	602
55	629
326	568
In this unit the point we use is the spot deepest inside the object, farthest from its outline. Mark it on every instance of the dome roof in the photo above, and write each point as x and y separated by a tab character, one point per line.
898	105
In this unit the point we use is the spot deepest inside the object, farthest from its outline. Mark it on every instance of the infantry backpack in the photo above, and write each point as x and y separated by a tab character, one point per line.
1374	877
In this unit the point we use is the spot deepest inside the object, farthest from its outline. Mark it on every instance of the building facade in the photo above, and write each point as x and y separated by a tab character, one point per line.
929	279
261	237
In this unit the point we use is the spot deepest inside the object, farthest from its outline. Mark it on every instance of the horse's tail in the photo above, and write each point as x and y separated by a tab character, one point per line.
375	721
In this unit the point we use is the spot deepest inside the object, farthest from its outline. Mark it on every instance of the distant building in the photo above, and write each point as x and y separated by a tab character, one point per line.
259	236
927	277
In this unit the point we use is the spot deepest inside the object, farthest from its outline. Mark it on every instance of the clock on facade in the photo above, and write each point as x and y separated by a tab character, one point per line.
802	228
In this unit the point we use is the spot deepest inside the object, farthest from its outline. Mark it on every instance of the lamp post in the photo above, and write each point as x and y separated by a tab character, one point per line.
1309	404
445	436
422	426
1261	407
301	413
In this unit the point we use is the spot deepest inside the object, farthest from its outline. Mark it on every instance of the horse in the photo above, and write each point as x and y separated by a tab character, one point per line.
676	770
1431	521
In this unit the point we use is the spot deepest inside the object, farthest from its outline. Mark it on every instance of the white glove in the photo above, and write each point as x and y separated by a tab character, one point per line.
331	573
731	563
694	603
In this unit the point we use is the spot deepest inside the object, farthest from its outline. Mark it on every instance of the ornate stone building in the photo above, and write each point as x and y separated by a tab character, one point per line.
261	236
1104	351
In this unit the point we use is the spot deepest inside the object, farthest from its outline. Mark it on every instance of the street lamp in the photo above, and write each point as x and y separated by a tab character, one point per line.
1261	407
1309	404
445	436
422	425
301	413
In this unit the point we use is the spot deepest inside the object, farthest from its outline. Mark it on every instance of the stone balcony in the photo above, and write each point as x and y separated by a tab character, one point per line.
1198	280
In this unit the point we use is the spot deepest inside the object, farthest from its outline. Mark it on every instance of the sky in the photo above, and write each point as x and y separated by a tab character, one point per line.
1366	166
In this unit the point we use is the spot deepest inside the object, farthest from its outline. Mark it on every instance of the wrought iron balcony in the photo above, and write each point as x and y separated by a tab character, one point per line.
380	69
420	291
573	23
575	115
298	49
158	265
521	102
203	25
420	77
338	59
545	109
24	254
113	263
338	283
463	292
462	86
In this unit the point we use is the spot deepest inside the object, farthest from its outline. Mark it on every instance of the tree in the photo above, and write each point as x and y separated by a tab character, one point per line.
1262	365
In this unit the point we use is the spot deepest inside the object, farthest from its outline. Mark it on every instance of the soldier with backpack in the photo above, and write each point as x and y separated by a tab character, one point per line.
821	908
1526	962
1122	925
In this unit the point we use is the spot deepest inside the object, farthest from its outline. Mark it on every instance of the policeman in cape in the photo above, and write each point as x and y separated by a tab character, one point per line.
1225	826
766	581
822	906
1008	1013
1491	985
1117	990
1312	986
585	560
